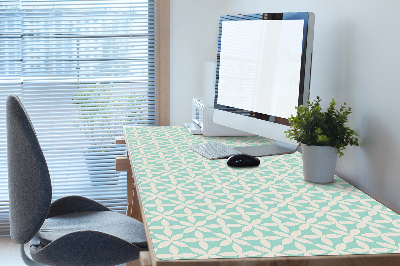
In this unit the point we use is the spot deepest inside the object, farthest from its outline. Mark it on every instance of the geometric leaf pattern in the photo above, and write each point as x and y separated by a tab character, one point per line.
198	208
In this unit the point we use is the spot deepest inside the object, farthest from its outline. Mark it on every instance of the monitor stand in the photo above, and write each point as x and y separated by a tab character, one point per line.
277	148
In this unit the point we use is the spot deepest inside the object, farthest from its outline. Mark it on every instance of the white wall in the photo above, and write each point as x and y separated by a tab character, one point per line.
194	41
356	59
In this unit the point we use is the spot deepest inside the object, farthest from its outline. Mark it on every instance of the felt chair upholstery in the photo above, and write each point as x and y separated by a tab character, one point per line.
70	204
70	231
85	248
128	229
28	176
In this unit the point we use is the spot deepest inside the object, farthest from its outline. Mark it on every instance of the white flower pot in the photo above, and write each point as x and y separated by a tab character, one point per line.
319	163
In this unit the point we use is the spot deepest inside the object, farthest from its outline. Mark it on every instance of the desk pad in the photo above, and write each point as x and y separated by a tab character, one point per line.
198	208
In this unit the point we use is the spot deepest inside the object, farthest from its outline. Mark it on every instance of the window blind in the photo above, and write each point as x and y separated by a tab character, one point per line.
83	69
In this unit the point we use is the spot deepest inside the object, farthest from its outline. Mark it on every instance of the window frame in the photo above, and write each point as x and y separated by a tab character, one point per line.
163	69
163	88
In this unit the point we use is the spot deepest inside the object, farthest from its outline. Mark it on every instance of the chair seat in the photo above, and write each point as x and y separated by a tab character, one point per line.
77	231
108	222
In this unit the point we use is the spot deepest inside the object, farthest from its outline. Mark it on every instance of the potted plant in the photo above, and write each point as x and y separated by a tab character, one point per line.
323	135
97	107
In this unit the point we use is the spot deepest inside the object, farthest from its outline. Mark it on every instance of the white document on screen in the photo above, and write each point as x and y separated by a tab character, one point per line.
260	63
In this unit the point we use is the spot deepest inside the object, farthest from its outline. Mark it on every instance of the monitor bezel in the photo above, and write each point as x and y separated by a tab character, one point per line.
305	69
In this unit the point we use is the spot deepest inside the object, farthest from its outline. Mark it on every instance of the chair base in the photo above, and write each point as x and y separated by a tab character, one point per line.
26	259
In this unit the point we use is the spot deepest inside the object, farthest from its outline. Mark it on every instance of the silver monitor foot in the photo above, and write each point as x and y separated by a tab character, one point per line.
277	148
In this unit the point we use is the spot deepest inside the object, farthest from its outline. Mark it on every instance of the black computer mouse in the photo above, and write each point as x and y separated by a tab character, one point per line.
242	160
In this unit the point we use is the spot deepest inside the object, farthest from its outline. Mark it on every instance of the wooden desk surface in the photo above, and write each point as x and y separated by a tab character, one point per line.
201	211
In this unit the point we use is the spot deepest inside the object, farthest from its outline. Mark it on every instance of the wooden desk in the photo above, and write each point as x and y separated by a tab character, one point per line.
201	212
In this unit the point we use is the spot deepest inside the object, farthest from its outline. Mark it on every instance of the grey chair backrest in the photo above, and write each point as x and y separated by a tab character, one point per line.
29	183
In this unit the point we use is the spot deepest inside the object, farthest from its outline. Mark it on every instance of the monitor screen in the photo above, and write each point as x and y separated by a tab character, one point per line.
260	63
263	71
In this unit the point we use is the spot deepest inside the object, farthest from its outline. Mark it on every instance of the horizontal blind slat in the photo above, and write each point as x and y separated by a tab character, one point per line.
83	70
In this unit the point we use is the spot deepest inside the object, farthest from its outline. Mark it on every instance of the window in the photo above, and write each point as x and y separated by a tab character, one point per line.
83	70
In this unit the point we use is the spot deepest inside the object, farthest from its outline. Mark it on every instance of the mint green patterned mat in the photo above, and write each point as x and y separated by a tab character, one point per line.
198	209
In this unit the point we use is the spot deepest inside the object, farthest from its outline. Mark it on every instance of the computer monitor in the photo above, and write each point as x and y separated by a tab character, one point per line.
263	73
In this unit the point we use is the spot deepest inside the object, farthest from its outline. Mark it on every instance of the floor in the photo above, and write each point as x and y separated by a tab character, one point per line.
10	256
9	253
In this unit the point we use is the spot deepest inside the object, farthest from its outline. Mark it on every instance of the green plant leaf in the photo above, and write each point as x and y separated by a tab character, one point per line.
312	126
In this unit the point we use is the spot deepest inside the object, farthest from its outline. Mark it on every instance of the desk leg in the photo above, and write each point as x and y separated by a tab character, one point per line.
129	192
133	263
144	260
133	210
132	197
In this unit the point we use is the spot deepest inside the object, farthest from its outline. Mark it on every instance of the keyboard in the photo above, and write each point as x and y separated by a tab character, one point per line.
214	150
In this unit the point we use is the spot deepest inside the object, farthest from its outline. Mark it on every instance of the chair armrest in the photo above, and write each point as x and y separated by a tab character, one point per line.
72	204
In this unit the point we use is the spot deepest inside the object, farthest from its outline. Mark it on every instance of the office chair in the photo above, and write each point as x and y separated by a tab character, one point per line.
70	231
